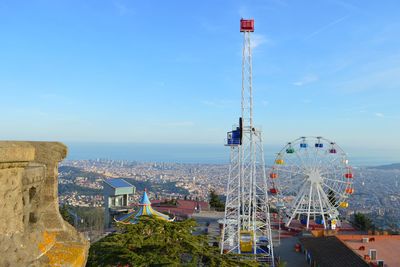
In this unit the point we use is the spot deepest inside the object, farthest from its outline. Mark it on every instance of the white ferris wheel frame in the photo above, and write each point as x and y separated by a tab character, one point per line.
312	182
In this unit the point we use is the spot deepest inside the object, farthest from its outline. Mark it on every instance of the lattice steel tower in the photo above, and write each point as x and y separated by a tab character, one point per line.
247	227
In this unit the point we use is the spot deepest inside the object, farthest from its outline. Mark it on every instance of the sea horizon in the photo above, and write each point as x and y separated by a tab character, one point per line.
199	153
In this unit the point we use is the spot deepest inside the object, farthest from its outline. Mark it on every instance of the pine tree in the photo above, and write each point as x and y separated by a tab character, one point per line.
215	202
153	242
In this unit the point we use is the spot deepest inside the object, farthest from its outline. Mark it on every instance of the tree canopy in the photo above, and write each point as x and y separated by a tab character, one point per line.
362	222
215	201
65	214
153	242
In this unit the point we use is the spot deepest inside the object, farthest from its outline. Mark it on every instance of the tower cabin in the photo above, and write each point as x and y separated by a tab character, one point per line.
118	197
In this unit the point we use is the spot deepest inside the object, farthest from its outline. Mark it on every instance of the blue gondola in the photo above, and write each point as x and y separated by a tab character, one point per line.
303	145
233	138
319	220
303	219
319	145
263	245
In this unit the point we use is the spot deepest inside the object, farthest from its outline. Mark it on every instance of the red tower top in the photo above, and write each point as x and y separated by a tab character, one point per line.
247	25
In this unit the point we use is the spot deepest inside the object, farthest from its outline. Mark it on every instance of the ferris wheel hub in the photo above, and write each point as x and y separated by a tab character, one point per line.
314	176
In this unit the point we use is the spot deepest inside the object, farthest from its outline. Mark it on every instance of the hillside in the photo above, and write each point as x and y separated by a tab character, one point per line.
70	173
394	166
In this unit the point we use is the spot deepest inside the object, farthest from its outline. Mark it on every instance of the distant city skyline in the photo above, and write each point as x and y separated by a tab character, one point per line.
204	154
170	72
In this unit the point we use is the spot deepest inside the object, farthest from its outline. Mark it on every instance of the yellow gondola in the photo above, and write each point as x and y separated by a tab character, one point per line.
246	241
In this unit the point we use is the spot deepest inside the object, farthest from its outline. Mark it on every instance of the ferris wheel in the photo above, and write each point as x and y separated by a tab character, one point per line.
311	180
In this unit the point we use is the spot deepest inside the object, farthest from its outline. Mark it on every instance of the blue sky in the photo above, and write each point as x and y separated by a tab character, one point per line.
170	71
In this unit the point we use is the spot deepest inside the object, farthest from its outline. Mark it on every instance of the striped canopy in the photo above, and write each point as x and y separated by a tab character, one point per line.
145	209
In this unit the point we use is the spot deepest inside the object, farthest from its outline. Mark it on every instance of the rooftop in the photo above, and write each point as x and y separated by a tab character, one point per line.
183	207
329	251
387	246
117	183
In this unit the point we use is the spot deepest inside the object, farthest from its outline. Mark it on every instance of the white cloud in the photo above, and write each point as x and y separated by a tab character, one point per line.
383	79
122	9
380	115
309	78
259	39
326	27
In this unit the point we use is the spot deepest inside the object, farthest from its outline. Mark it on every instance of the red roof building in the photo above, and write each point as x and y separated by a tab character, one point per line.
183	208
378	250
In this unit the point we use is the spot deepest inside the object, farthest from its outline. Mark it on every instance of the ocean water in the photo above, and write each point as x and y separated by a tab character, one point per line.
198	153
183	153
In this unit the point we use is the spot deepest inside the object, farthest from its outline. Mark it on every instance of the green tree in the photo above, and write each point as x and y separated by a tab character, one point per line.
363	222
215	202
153	242
66	215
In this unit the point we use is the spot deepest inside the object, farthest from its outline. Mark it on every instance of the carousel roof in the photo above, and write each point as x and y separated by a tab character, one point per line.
145	209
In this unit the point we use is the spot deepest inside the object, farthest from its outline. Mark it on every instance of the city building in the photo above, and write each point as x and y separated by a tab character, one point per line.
118	197
182	209
378	250
329	251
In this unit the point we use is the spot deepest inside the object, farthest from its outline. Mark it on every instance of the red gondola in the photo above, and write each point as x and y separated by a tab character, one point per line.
273	191
348	175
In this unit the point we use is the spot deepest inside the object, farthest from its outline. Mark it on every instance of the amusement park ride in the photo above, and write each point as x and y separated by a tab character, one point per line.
246	227
310	180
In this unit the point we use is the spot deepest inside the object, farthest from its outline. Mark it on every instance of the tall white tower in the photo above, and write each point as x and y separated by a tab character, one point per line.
247	228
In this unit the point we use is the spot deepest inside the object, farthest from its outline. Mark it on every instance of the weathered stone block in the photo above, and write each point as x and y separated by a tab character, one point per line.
32	232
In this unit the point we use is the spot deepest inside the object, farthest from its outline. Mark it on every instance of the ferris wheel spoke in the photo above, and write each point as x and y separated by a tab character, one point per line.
292	185
294	164
330	163
335	175
300	159
297	185
290	171
338	181
330	170
320	204
309	205
339	194
319	162
324	165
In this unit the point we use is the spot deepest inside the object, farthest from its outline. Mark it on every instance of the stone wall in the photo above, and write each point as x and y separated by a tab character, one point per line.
32	231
